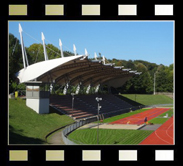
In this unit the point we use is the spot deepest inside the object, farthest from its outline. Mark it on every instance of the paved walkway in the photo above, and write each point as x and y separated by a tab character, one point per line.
90	125
56	138
151	127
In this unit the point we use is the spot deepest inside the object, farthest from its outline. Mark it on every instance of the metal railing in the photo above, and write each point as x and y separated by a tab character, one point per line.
85	121
80	123
73	127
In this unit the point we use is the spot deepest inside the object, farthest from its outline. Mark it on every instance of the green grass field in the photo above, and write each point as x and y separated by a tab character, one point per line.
160	119
116	136
169	112
108	136
149	99
28	127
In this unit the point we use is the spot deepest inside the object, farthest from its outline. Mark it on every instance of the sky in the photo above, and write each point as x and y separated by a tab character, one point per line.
152	41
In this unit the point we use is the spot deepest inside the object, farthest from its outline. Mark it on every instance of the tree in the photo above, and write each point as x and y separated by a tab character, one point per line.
140	84
143	84
68	53
119	63
35	53
15	59
164	79
130	64
52	51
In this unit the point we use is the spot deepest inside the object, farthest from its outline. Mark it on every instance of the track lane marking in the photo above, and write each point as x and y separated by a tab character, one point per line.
168	130
155	134
161	138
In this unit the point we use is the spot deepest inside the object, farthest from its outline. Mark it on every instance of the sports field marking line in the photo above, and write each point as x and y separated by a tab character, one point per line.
155	114
139	115
161	138
135	119
125	138
167	132
152	114
153	111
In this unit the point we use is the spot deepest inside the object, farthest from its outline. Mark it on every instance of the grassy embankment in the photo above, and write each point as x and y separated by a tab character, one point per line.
143	99
28	127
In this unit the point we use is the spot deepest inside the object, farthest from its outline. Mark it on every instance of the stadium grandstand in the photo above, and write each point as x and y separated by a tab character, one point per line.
76	70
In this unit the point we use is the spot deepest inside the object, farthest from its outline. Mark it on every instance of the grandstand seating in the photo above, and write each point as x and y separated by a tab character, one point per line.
86	105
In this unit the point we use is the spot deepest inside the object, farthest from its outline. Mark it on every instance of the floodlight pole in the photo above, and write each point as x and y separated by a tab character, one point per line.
72	100
154	83
98	109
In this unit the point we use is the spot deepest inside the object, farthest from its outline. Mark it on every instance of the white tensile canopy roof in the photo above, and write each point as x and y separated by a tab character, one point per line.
73	69
36	70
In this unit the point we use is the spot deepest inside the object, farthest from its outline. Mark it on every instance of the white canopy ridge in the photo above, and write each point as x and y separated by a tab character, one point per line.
44	46
86	53
38	69
95	56
74	48
60	44
103	59
24	54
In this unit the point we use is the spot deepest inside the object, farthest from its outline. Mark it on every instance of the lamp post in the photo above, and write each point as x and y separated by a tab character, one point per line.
155	82
98	109
72	94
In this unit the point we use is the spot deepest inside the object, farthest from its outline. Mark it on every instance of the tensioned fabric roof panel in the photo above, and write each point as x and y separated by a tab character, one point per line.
38	69
75	69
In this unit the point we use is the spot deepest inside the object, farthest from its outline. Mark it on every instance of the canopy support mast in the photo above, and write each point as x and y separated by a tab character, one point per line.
24	54
44	47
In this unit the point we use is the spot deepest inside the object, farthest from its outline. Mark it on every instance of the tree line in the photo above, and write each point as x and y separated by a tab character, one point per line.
142	84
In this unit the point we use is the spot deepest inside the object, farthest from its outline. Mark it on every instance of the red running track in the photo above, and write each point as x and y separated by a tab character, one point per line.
139	118
162	136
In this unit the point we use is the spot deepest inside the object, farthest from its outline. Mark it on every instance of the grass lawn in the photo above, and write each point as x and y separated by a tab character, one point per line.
108	136
149	99
28	127
169	112
160	119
